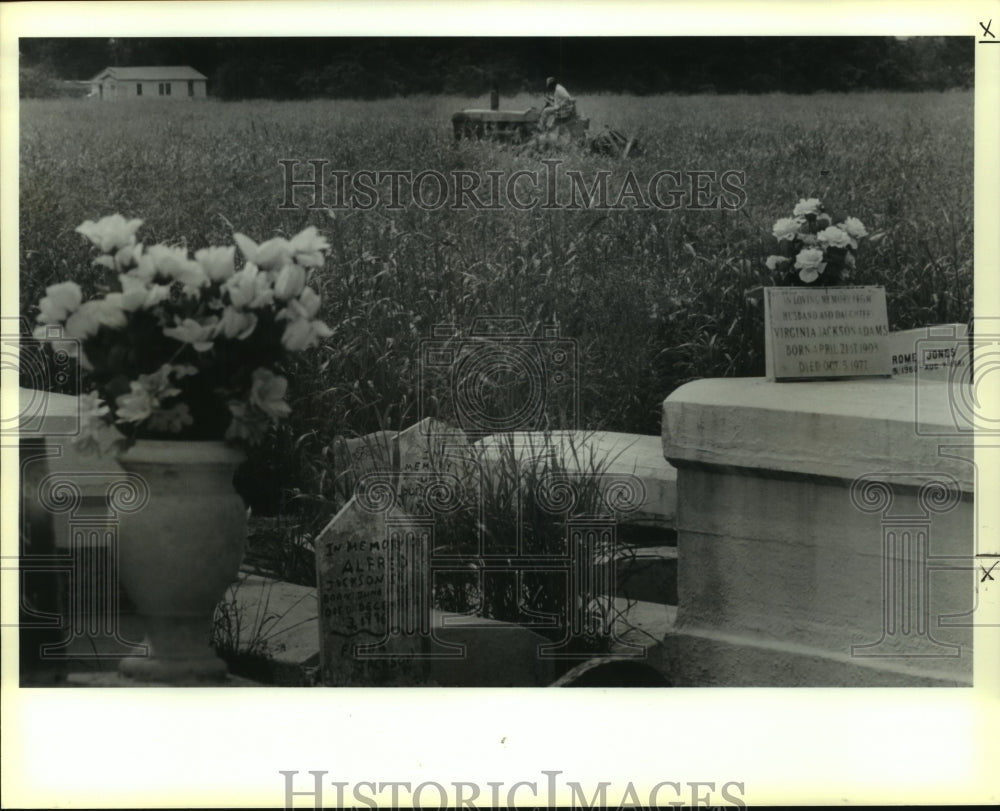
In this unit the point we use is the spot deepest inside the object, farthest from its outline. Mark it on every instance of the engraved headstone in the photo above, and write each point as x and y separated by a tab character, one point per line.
374	599
825	332
939	352
431	451
373	558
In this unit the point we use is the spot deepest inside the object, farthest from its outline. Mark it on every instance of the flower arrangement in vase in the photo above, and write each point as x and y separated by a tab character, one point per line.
814	251
184	356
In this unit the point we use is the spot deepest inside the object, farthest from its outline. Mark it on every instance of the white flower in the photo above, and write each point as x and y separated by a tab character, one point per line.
808	207
111	311
810	264
305	306
96	434
126	257
172	263
304	329
143	400
834	237
191	332
217	262
140	295
308	246
250	288
136	405
92	406
290	282
110	233
236	323
191	276
94	314
60	300
84	322
268	255
774	261
157	260
129	255
301	333
267	392
855	229
787	228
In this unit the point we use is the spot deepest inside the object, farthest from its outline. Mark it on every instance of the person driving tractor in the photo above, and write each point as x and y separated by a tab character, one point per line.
559	104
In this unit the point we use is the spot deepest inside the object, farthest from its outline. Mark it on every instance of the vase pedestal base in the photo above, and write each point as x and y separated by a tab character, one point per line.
177	652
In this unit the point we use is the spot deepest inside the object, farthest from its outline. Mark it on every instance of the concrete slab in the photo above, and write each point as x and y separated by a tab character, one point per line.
642	623
118	680
280	621
284	618
606	451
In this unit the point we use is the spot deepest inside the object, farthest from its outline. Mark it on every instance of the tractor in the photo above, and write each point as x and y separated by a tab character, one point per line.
532	128
513	126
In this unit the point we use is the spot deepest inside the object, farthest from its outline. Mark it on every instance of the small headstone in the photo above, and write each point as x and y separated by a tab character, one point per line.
373	558
825	332
939	352
374	600
429	452
416	452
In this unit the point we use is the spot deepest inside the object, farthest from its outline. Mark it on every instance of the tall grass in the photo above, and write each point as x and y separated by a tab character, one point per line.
652	298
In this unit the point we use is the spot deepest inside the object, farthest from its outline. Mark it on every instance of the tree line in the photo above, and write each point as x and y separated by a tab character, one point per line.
381	67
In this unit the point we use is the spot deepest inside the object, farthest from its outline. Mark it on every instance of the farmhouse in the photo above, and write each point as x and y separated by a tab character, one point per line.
164	83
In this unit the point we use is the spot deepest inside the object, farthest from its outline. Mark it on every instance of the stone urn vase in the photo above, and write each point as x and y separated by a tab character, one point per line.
178	553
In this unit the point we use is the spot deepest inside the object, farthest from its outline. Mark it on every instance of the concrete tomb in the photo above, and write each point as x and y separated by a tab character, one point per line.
825	534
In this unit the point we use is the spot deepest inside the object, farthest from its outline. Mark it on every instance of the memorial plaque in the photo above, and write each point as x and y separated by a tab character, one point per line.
825	332
372	571
939	352
415	452
431	451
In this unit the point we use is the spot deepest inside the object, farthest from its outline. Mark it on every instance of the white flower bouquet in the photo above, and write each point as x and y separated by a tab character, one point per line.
814	251
182	347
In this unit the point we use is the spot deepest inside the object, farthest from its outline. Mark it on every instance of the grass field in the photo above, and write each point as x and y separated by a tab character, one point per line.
651	298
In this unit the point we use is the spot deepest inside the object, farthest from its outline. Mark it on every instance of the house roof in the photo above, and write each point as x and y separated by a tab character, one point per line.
152	74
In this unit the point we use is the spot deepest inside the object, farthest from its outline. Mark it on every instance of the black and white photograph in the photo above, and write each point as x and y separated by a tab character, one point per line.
464	354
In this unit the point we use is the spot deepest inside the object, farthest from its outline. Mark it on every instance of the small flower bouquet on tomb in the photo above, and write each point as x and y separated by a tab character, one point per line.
187	348
814	251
